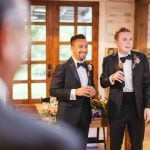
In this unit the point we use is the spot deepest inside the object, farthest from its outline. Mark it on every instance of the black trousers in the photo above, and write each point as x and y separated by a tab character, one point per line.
127	118
84	123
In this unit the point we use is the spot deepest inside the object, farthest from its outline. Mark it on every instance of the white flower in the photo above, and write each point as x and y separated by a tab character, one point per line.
136	60
90	67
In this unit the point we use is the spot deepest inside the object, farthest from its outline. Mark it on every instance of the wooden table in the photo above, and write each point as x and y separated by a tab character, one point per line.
96	123
100	123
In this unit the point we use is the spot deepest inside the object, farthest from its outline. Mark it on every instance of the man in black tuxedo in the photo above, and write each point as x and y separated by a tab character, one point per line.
126	72
72	85
16	131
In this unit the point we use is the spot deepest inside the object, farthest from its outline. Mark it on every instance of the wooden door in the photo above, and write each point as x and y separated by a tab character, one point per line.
51	26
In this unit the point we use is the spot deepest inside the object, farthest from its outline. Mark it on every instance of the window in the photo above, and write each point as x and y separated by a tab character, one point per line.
52	25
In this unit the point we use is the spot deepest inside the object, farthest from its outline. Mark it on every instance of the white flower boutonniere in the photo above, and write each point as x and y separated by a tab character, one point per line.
136	60
90	70
90	67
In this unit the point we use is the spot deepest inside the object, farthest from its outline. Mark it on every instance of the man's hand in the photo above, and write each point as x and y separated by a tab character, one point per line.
118	76
87	91
147	115
93	91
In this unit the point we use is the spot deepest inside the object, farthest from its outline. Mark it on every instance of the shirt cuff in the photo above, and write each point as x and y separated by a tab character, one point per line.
147	109
73	94
111	81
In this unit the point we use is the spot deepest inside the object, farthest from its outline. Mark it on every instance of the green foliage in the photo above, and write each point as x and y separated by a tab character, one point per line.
99	107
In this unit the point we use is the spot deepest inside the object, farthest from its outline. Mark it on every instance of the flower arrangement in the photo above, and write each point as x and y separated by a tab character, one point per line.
99	107
48	109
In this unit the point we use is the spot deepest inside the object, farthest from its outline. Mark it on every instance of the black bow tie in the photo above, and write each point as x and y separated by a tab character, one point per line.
123	59
81	64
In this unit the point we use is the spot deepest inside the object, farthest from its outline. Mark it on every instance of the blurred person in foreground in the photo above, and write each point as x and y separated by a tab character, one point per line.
72	84
127	74
16	131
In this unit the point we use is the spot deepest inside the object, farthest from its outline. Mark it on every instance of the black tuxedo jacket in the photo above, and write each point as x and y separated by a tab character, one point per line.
141	83
64	79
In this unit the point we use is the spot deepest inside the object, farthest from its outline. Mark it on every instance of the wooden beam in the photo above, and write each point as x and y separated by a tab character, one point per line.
141	26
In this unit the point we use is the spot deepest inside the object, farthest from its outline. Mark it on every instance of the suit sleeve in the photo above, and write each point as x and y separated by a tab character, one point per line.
146	83
104	78
57	88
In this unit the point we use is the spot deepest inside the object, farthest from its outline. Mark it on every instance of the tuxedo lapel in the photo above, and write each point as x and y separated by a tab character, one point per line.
90	76
115	62
74	70
135	71
133	67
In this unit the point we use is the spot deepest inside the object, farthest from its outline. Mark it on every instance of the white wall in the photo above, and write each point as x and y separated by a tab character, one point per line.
113	15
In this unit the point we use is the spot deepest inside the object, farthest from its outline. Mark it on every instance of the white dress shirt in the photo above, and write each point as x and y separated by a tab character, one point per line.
127	69
3	92
83	78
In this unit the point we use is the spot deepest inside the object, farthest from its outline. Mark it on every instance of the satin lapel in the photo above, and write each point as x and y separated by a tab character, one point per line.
74	70
89	75
115	62
87	70
133	67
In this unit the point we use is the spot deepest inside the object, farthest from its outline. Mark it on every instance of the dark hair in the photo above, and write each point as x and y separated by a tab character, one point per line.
77	36
123	29
5	6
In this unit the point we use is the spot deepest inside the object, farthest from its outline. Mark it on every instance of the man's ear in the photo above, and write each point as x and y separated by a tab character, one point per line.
116	42
2	40
6	42
4	29
71	48
2	43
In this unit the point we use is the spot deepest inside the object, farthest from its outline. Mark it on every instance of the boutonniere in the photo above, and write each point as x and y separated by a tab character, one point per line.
136	60
90	73
90	68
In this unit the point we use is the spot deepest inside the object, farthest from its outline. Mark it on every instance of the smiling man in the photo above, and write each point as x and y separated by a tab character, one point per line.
72	84
127	74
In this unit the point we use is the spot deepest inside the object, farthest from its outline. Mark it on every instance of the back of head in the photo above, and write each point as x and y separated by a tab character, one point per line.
5	7
13	37
12	11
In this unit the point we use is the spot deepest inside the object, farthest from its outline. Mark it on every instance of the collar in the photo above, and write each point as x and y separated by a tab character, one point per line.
120	55
76	61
